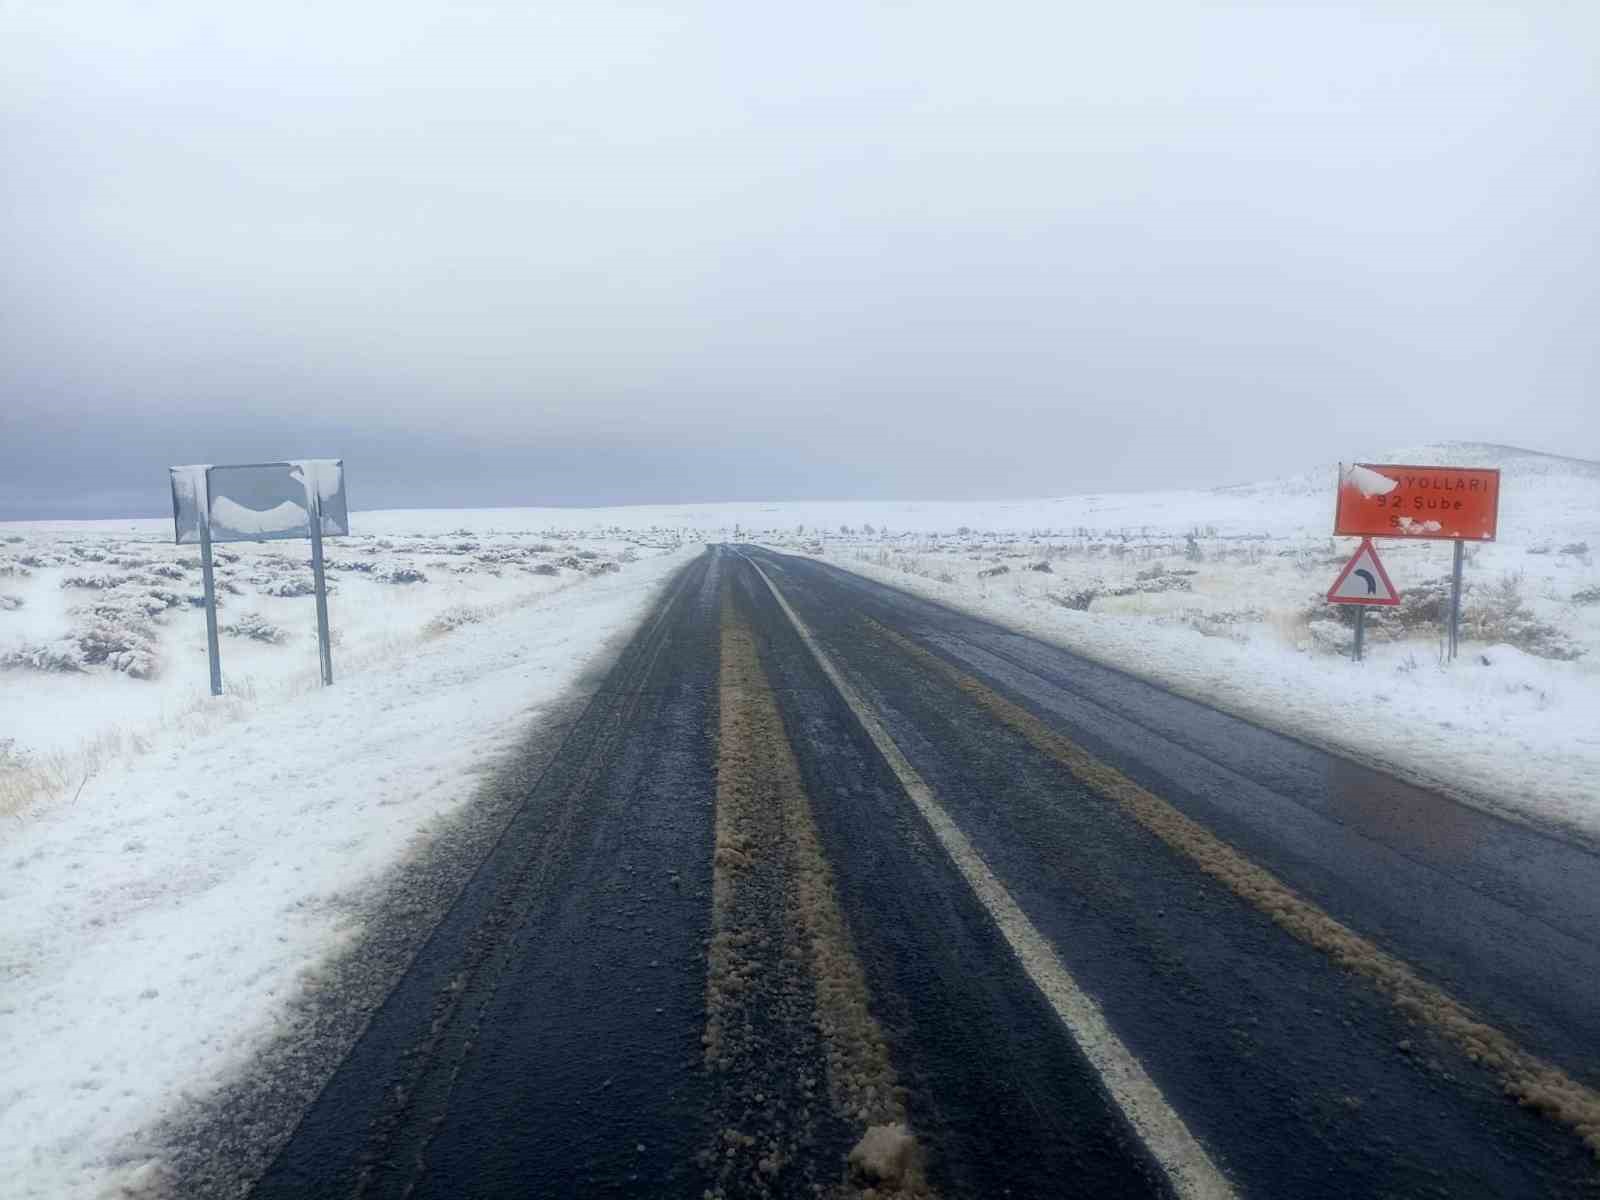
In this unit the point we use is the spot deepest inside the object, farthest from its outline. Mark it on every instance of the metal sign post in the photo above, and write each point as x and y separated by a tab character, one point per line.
1361	628
324	650
1455	598
212	650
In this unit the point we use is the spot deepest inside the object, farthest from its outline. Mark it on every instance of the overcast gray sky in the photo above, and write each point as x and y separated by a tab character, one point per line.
595	252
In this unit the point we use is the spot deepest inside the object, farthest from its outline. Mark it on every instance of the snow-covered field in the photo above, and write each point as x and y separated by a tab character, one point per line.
102	633
174	868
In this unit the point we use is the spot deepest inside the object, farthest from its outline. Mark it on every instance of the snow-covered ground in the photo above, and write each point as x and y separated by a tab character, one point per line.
102	637
174	867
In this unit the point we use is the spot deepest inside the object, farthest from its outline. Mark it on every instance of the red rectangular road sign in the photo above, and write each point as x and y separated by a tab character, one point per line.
1383	500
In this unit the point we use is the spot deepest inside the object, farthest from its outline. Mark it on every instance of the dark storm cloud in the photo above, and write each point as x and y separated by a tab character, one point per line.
607	253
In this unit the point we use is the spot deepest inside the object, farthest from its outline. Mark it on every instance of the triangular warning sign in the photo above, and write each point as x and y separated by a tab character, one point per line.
1363	580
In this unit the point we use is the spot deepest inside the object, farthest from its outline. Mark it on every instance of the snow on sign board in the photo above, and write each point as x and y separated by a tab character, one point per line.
1363	580
259	502
1381	500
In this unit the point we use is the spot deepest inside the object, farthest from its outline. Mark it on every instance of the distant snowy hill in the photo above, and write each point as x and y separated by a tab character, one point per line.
1515	463
1542	496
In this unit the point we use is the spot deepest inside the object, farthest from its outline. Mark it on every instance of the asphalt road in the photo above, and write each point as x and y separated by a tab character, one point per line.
831	891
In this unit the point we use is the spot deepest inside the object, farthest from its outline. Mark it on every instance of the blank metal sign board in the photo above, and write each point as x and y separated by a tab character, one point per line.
1363	580
259	502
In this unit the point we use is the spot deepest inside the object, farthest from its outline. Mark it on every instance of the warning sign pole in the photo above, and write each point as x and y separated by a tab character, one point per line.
1364	583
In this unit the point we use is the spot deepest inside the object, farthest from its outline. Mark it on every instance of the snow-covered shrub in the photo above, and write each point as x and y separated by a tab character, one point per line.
991	572
1575	548
9	602
1424	608
1173	581
61	657
1494	614
545	569
451	619
1218	625
1076	601
154	600
402	574
167	570
604	568
126	646
1500	616
1330	636
257	628
139	663
13	570
1587	596
99	582
628	555
289	588
498	555
1042	566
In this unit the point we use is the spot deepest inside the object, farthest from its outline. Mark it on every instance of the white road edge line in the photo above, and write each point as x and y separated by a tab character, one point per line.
1187	1165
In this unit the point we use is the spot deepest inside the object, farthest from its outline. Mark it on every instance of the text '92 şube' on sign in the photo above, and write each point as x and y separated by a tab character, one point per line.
1384	500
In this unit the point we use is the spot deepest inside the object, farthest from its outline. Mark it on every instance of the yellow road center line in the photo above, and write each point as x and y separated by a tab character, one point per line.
1535	1083
766	834
1180	1155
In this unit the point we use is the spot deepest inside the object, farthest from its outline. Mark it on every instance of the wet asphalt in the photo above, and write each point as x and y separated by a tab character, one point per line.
546	1038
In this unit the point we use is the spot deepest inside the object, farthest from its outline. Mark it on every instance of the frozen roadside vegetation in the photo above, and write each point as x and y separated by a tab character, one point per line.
161	922
102	625
1218	595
